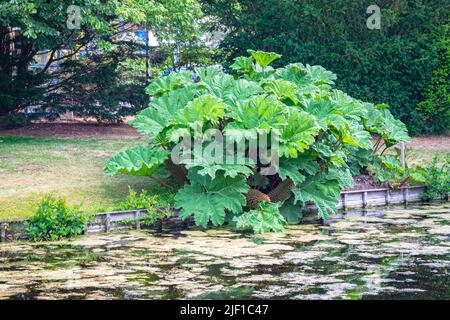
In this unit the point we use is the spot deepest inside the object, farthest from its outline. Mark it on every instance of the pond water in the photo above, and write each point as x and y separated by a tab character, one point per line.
385	254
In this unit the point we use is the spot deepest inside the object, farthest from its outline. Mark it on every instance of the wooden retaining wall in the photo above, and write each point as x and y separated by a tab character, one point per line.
106	221
379	197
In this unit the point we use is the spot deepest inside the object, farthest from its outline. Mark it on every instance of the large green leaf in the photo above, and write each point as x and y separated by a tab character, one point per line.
327	114
229	90
291	212
322	192
260	113
356	136
206	73
264	58
297	168
243	65
394	130
387	168
298	134
374	121
168	83
282	89
289	169
266	218
309	79
229	170
206	108
341	120
207	199
154	119
319	75
381	121
151	122
138	161
342	175
221	85
351	109
210	165
242	90
297	74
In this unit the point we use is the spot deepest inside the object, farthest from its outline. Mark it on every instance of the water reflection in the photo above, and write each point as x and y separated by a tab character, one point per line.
393	253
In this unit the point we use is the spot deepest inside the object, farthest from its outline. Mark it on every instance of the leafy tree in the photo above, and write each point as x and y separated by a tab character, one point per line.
43	26
320	130
96	83
394	64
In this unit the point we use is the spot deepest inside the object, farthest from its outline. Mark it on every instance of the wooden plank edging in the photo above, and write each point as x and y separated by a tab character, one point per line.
106	221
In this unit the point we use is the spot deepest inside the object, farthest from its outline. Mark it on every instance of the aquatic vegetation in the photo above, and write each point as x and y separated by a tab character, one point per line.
400	253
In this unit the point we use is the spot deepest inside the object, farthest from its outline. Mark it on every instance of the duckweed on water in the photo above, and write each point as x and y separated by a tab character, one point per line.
398	253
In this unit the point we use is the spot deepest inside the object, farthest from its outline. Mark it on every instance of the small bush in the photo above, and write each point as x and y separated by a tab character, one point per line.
156	207
388	170
55	220
437	175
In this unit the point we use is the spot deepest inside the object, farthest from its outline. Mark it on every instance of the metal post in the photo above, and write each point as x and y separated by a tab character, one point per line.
344	201
402	154
176	57
137	221
147	54
405	194
364	199
2	232
107	222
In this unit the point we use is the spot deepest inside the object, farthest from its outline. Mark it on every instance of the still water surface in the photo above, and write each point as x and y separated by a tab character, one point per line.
394	253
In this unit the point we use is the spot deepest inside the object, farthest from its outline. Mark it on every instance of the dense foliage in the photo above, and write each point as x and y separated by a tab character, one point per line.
397	64
321	132
437	178
13	121
156	207
435	109
88	67
55	220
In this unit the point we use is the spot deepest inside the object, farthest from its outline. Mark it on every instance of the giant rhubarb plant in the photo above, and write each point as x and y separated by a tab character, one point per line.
320	130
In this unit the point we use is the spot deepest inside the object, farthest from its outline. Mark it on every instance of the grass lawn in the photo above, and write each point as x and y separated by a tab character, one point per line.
422	149
31	167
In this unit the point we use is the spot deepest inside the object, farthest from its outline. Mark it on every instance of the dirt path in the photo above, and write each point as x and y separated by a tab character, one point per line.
432	143
72	130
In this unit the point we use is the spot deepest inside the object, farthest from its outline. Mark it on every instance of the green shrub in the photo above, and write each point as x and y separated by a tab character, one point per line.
393	65
157	207
319	127
437	178
55	220
435	109
388	169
